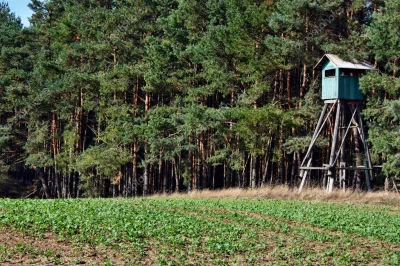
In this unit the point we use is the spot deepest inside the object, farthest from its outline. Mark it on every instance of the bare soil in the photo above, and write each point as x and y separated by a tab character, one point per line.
19	249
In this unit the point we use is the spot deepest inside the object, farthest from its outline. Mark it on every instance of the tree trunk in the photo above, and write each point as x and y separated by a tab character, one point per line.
289	88
43	179
357	174
267	158
146	165
303	84
176	176
395	63
55	152
253	171
202	155
192	169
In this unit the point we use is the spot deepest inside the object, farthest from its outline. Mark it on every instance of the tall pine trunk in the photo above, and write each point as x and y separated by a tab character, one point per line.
146	150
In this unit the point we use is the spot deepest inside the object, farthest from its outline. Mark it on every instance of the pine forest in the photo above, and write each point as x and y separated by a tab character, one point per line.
128	98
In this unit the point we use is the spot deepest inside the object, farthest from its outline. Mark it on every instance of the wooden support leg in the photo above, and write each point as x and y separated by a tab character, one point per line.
325	175
315	135
343	135
304	175
367	176
367	163
331	171
308	157
343	176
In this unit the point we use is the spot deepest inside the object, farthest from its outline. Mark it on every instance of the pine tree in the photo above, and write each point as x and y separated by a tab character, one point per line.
129	98
14	76
383	87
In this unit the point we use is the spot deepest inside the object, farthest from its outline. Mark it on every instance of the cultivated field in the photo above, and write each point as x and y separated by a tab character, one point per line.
190	231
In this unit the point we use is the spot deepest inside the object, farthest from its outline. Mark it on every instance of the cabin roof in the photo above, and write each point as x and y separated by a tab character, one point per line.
340	63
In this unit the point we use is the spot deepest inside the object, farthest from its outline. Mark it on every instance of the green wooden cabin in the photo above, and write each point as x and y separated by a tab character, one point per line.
340	79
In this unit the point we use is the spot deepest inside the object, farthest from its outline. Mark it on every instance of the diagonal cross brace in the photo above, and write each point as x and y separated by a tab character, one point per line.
318	130
344	138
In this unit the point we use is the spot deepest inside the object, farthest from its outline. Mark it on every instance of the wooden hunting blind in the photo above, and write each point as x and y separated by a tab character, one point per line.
343	100
340	79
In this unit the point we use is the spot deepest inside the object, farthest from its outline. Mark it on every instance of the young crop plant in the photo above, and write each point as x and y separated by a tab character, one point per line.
208	231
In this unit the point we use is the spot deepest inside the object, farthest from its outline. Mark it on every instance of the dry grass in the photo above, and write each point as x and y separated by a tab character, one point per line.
282	192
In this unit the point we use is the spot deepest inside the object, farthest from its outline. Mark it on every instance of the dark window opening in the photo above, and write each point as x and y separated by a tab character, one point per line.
330	73
350	73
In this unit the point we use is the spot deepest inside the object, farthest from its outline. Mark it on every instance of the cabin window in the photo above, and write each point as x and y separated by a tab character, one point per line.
349	73
330	73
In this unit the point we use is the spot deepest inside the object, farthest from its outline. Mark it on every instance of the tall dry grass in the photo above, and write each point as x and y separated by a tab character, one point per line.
282	192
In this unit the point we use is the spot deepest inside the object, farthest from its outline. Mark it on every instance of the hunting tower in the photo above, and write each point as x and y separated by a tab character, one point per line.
343	98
